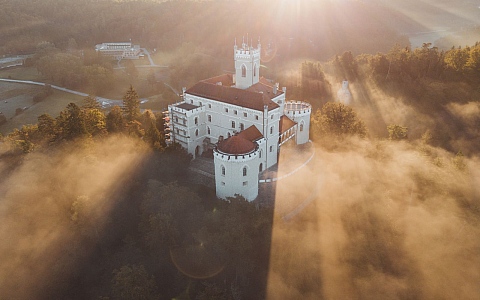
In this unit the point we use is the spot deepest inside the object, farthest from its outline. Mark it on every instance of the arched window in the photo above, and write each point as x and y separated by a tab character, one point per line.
223	170
260	167
271	130
196	120
244	171
242	127
260	154
244	71
196	132
208	130
254	70
209	118
301	126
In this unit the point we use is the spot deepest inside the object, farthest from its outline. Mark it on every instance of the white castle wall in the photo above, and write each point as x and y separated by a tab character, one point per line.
300	112
233	180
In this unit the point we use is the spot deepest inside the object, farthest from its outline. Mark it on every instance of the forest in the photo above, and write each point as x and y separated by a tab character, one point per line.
95	205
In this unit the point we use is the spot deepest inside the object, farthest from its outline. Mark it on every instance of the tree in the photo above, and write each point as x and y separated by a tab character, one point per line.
90	102
131	104
397	132
47	127
71	122
133	282
337	119
152	134
115	121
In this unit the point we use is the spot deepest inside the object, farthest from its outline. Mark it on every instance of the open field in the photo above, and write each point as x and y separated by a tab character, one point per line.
22	73
15	95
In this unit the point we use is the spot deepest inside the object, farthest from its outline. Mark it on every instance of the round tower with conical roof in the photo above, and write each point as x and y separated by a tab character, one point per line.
236	162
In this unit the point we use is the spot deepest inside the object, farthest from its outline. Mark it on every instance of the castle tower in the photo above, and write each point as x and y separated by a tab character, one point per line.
237	166
343	95
247	64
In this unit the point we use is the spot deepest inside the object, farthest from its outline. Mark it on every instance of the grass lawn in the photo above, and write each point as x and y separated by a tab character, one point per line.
22	73
13	96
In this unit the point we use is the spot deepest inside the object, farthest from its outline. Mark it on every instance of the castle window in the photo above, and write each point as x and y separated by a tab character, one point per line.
271	117
245	183
209	106
301	127
245	114
271	148
200	103
196	132
242	126
208	130
235	112
191	101
254	70
244	171
196	120
233	124
244	71
223	170
256	118
260	154
209	117
226	110
271	130
176	119
260	167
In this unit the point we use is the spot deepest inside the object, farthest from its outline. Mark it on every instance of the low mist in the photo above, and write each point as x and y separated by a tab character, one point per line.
53	208
378	220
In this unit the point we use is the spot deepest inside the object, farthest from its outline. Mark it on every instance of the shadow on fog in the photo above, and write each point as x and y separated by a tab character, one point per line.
382	226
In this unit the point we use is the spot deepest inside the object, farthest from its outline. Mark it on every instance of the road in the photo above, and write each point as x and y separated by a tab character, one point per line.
103	101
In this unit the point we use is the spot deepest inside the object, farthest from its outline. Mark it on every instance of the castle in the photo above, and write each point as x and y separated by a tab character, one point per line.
243	118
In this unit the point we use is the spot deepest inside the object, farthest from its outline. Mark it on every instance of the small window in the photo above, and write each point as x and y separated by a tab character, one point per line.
260	167
271	148
244	171
228	134
271	130
226	110
256	118
235	112
200	103
245	183
301	127
233	124
184	122
196	120
271	117
223	170
196	132
260	154
223	183
176	119
245	114
244	71
242	127
254	70
209	106
209	117
208	130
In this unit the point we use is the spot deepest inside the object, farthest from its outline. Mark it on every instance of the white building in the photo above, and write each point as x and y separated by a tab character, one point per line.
119	50
243	118
343	94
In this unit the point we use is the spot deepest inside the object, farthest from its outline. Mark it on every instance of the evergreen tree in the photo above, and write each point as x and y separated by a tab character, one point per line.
115	121
131	104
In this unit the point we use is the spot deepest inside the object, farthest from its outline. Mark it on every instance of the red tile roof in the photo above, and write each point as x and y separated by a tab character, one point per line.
236	145
286	123
251	133
232	95
266	87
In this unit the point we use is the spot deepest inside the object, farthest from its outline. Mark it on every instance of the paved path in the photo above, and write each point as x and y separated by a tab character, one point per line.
104	101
